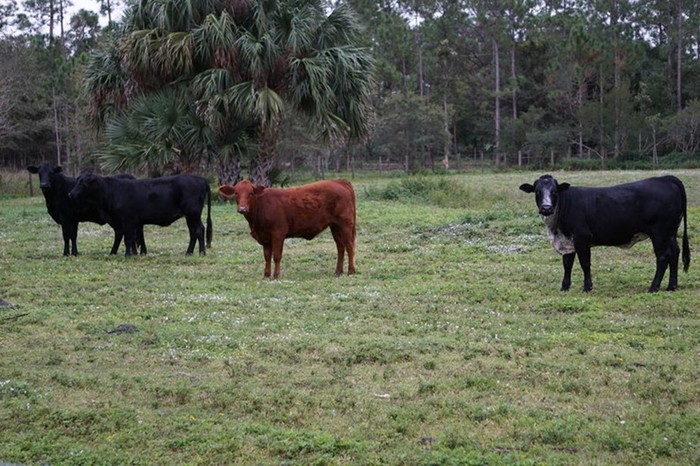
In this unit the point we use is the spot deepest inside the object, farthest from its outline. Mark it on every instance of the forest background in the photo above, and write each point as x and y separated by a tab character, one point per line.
453	84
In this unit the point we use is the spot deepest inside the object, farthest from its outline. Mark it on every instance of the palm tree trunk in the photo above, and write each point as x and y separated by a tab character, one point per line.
229	172
260	170
262	163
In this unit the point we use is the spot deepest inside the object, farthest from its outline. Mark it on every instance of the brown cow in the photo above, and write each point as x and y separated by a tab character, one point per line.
274	214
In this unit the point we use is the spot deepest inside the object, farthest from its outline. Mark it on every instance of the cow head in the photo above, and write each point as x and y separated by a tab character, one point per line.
88	182
546	191
243	193
46	174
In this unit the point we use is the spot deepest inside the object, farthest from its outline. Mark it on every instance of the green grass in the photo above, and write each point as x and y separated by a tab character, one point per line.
452	345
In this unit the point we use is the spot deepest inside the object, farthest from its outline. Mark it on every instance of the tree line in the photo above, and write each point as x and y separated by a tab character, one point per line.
263	88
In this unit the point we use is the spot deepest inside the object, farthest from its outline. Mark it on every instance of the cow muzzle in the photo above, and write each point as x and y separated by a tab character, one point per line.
242	210
546	210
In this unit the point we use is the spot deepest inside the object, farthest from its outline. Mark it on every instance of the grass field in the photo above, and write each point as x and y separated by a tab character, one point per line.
452	345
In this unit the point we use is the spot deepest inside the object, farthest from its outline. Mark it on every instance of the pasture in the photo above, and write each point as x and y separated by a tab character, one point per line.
451	345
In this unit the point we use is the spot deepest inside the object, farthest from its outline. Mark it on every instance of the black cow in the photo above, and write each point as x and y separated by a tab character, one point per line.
622	215
157	201
69	212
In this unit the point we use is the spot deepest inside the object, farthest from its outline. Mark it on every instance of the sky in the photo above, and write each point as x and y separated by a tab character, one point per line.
94	5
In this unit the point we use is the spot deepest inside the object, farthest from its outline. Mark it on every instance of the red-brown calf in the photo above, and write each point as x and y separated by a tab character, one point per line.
274	214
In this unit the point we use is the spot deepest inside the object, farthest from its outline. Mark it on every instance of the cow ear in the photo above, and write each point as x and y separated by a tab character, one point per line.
258	189
527	187
226	192
57	169
563	187
33	169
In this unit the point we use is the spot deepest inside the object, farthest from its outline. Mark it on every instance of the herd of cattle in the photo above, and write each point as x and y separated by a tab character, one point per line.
576	218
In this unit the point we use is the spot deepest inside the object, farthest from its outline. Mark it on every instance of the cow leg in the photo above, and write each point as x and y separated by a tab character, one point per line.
118	235
267	251
72	239
200	237
130	240
277	246
344	242
194	224
663	251
141	240
350	247
193	236
584	258
673	265
340	246
568	261
66	240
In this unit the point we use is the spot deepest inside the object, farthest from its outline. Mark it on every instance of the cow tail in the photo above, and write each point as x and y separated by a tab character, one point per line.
686	244
210	228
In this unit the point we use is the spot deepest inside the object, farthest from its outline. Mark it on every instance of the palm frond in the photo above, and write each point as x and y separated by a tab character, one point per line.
175	55
340	27
268	107
105	81
241	98
213	81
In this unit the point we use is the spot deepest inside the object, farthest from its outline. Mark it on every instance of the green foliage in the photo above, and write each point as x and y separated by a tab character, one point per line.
444	192
161	134
409	127
235	70
672	161
451	345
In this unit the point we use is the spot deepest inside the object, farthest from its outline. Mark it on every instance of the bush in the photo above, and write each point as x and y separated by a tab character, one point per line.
678	160
632	161
442	192
16	184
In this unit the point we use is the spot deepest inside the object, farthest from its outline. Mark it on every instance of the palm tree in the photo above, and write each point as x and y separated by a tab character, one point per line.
244	62
161	133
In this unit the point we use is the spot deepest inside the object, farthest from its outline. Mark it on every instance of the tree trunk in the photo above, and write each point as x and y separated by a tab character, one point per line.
262	163
56	127
616	102
260	170
514	101
229	172
654	154
446	128
497	111
679	57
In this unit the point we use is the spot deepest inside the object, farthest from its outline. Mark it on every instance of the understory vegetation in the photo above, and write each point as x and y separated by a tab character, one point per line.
451	345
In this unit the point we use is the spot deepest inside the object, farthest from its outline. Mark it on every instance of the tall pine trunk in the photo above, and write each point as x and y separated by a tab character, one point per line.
497	111
679	58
